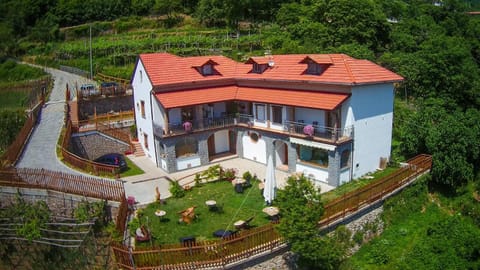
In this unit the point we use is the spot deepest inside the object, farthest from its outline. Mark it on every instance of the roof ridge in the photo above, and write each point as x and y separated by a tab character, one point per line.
349	70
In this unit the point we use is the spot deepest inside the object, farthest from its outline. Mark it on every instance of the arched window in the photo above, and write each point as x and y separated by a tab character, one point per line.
345	158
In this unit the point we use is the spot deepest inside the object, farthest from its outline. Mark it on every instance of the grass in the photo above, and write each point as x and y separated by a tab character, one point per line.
132	169
423	231
356	184
13	99
233	206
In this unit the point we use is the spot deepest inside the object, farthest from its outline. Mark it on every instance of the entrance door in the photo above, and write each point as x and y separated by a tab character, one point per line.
232	139
211	147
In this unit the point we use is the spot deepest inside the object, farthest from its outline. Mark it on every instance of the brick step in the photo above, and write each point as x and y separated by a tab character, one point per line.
138	149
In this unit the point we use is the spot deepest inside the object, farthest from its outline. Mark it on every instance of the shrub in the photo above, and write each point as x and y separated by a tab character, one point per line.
358	237
176	190
247	176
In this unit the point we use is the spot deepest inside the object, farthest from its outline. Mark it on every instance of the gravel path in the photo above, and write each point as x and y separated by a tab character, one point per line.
40	151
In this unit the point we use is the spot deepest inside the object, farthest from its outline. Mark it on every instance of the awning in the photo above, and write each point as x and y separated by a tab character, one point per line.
313	144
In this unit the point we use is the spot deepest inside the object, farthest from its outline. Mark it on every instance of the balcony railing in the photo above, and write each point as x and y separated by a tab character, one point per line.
291	127
328	133
203	124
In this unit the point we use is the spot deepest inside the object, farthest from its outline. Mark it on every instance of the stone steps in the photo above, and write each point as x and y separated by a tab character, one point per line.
138	149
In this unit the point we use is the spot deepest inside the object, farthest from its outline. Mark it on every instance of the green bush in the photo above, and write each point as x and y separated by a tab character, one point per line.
358	237
176	190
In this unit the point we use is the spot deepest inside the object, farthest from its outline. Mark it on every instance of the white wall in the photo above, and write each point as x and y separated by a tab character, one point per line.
310	115
158	119
141	92
254	151
320	174
371	108
188	162
344	175
221	141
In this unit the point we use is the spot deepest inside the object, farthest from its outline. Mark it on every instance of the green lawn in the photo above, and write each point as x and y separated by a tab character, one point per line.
132	169
356	184
234	206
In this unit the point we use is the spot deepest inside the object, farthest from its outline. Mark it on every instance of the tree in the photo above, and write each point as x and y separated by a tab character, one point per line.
301	209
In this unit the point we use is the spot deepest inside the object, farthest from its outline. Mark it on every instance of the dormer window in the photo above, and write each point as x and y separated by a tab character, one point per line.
260	64
258	68
316	64
313	68
207	70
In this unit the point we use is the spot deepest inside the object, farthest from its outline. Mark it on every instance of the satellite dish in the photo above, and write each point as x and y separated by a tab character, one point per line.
271	63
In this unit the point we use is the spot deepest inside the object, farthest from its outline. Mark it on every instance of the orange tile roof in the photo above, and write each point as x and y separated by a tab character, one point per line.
191	97
165	69
308	99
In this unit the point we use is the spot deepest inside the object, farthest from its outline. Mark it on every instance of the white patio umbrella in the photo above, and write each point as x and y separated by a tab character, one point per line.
270	182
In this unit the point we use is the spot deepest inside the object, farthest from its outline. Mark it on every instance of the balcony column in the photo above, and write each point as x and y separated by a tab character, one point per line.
166	127
199	116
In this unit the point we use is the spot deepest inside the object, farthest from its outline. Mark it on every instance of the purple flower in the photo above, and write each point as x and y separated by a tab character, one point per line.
308	130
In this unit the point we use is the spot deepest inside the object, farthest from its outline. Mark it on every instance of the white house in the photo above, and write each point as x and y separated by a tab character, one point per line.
328	116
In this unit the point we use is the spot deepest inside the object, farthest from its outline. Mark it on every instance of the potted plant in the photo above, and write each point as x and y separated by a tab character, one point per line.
187	126
308	130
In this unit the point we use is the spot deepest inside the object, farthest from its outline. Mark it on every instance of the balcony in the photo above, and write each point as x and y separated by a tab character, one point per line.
201	125
319	133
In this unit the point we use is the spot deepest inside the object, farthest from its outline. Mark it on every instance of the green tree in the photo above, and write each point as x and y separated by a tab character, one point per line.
301	209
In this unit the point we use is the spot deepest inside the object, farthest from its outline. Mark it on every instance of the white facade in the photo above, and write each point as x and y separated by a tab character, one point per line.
371	112
256	151
143	117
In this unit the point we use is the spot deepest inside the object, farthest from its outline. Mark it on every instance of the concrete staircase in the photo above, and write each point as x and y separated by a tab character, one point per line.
138	149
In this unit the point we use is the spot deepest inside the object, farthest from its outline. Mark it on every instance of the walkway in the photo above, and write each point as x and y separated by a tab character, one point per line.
40	151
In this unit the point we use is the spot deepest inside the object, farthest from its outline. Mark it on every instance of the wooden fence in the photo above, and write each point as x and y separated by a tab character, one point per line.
82	163
63	182
206	254
352	201
14	150
106	78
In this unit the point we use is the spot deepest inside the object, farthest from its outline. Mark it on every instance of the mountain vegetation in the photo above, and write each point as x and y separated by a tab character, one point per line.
434	45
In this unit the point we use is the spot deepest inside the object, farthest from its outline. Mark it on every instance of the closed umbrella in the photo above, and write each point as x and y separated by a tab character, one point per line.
270	182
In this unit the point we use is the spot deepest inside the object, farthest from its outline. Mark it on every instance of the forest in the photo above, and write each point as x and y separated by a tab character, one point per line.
434	45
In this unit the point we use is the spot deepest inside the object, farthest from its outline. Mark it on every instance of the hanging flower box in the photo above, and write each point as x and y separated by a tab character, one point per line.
308	130
187	126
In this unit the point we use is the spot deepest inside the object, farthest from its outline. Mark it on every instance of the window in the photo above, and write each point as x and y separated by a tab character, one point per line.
187	114
313	156
277	114
258	68
141	76
142	108
260	112
186	147
207	70
145	140
313	68
345	158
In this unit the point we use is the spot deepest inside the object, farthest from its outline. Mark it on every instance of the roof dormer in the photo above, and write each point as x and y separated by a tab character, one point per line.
260	64
207	68
316	64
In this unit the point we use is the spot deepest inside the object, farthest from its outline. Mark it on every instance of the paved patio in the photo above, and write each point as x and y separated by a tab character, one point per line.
142	187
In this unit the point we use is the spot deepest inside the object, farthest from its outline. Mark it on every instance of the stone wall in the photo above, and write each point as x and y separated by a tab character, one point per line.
91	145
60	204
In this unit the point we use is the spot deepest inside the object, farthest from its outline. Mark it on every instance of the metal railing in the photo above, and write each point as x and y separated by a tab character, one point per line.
200	125
328	133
